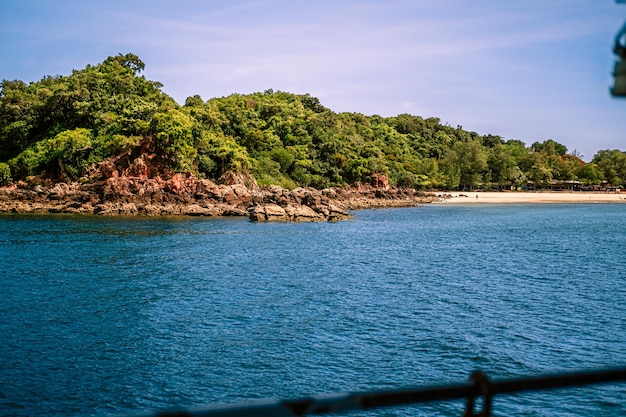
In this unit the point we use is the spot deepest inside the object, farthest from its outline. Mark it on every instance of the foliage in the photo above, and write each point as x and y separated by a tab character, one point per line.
66	154
61	125
5	174
228	155
173	133
110	100
612	166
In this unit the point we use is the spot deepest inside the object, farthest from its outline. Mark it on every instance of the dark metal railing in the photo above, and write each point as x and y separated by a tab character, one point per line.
478	387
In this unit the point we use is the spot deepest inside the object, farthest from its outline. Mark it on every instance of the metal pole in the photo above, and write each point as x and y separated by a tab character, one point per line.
343	402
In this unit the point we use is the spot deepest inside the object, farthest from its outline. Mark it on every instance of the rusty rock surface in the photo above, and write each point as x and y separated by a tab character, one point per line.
133	192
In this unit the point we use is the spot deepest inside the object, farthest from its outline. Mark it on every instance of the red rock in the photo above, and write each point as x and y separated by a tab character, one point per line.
175	185
379	181
108	170
138	169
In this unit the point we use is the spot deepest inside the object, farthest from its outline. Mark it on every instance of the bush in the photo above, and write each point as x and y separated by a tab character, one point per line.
5	174
66	154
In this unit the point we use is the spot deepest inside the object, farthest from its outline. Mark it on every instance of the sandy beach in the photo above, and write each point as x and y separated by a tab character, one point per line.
512	197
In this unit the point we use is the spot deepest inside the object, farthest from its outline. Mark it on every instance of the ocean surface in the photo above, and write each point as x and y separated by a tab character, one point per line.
103	316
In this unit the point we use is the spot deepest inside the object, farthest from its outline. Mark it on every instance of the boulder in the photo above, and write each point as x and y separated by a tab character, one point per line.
234	178
300	213
175	185
196	210
268	213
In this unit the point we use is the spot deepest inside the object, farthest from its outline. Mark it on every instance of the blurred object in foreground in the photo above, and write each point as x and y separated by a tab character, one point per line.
619	74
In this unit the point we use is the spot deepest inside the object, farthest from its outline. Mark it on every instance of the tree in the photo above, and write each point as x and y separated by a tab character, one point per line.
228	154
65	155
130	61
194	101
491	141
502	165
107	99
549	147
5	174
69	151
589	174
565	167
539	171
612	164
18	116
59	125
173	132
467	162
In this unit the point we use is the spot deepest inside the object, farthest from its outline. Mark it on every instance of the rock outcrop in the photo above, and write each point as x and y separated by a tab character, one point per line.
133	192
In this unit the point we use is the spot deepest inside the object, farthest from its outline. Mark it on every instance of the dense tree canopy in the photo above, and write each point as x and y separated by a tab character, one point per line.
61	126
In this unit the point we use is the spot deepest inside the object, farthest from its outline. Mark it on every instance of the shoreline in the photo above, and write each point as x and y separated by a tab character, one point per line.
239	195
533	197
236	195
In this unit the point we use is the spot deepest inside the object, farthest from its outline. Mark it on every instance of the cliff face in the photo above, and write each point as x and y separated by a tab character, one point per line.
133	192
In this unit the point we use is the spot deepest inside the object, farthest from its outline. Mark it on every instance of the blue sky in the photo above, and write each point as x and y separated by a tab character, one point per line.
530	70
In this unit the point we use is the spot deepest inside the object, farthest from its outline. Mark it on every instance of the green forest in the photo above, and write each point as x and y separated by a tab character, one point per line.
62	126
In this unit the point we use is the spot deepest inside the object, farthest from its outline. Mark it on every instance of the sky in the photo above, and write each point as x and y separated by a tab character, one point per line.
530	70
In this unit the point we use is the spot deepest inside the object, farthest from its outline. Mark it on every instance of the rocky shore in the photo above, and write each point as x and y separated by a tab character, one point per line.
233	195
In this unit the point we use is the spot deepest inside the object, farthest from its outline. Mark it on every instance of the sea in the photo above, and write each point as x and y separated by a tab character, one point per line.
105	316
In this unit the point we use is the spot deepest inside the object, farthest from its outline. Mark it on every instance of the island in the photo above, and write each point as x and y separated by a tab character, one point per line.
106	140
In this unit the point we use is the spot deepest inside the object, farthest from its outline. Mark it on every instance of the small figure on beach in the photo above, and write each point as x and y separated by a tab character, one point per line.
476	196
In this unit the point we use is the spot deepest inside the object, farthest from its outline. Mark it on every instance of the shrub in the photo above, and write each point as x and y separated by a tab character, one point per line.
5	174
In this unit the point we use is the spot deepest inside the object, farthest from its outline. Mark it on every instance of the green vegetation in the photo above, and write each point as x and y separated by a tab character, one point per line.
60	126
5	174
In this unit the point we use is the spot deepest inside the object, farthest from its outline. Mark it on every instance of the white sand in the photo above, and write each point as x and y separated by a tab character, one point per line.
512	197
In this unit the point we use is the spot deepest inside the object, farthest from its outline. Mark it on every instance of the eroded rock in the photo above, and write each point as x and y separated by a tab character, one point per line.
184	194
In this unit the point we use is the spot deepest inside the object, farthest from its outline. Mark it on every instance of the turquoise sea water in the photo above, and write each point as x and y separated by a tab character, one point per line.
116	315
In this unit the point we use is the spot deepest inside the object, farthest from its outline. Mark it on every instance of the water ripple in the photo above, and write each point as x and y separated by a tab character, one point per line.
119	315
